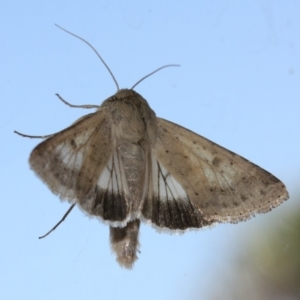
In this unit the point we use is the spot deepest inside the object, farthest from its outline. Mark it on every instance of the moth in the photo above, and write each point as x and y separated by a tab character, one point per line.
123	165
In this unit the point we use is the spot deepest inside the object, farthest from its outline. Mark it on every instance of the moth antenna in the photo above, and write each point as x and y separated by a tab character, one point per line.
63	218
166	66
106	66
33	136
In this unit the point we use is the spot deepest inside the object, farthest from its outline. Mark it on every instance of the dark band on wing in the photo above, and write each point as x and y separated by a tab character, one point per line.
110	206
173	213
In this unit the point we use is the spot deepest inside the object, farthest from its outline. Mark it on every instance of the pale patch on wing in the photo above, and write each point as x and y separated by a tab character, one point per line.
113	177
72	153
167	205
165	187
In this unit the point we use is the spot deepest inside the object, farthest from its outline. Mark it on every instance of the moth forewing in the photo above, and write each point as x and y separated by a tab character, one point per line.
68	163
222	185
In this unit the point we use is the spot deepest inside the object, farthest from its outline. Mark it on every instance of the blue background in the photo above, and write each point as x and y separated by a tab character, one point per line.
238	85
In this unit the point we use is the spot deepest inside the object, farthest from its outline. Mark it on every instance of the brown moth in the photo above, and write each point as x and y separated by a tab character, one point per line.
124	165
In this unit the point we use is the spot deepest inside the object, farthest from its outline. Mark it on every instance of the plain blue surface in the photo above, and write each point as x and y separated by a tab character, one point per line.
238	85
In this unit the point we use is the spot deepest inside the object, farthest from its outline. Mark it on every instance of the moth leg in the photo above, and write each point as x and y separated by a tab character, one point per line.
62	219
78	106
124	242
34	136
